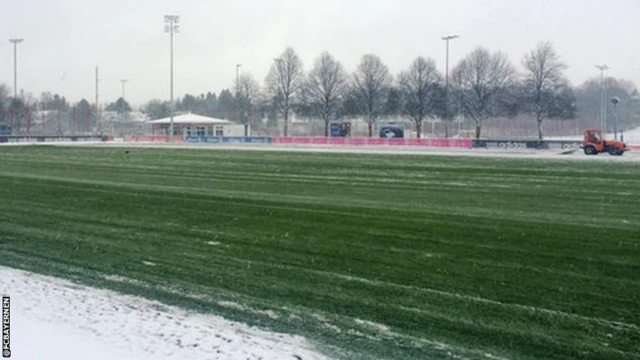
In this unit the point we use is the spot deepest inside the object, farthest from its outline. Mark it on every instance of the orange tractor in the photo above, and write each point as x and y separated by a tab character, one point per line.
595	143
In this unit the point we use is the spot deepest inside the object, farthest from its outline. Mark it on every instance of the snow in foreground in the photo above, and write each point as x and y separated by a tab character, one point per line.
57	319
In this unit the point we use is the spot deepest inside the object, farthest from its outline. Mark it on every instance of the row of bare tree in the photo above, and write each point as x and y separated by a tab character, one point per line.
483	84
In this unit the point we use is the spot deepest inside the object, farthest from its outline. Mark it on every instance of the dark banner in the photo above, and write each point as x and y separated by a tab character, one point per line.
340	129
5	130
392	131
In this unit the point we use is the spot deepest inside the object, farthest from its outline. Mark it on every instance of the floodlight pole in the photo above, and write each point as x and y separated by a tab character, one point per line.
238	66
279	62
97	99
15	43
446	92
236	102
171	26
615	102
603	98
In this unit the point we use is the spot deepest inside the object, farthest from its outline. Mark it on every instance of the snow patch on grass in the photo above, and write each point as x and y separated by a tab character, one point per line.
268	313
232	305
332	327
324	322
355	333
373	325
97	324
124	280
319	317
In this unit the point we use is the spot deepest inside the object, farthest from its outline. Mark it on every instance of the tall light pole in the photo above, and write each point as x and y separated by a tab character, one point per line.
238	66
171	26
15	43
97	80
446	91
279	62
615	101
603	98
124	82
237	100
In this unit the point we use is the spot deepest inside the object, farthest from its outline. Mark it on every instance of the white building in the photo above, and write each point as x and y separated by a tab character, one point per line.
197	125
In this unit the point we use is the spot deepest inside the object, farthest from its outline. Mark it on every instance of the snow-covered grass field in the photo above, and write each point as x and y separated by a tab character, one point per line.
54	318
169	252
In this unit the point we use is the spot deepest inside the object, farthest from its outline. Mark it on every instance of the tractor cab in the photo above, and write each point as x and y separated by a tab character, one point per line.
593	136
596	143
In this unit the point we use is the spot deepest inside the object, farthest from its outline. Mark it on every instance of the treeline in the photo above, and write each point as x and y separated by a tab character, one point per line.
60	117
482	85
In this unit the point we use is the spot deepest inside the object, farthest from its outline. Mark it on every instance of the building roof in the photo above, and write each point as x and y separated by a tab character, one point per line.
191	119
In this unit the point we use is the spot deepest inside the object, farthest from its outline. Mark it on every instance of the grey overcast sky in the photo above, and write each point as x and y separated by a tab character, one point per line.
66	39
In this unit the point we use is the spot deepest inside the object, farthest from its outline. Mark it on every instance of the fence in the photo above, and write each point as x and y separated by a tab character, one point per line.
49	139
442	143
504	144
154	138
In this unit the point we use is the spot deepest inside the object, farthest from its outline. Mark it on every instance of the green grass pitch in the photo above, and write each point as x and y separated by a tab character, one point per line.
368	256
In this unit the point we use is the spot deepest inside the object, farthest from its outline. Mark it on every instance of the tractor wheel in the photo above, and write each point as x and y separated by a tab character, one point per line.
620	153
590	150
611	150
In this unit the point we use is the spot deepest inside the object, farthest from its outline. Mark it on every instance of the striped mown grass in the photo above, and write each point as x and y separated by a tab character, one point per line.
370	256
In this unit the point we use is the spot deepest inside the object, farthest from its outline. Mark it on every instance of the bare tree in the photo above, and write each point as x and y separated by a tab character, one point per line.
283	83
371	83
419	88
247	99
545	87
478	80
325	89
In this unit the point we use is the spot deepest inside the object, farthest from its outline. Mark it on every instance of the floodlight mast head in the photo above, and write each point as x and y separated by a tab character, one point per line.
171	23
171	18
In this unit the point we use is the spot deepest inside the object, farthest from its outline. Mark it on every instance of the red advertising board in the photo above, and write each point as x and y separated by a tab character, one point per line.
439	143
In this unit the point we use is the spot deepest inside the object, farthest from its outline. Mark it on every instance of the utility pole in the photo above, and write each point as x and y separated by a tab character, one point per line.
15	43
446	91
603	98
237	101
171	26
42	115
97	99
238	66
59	132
